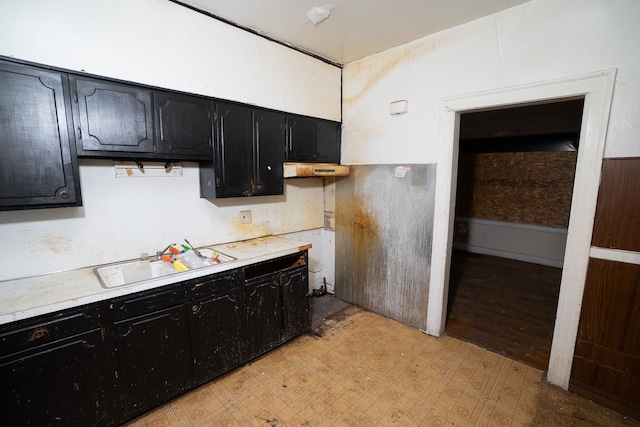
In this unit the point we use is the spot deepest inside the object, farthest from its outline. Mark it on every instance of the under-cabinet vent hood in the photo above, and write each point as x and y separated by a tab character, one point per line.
293	170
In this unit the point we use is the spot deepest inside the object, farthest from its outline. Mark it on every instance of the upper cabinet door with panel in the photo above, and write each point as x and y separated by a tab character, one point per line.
234	150
248	155
183	125
313	140
38	163
270	137
111	117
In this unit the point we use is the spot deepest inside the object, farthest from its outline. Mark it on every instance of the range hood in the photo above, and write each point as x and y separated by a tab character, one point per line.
298	170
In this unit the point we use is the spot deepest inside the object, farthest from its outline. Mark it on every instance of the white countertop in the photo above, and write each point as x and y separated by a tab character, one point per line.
33	296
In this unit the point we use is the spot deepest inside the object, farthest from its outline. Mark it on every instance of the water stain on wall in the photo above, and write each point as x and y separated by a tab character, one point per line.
369	71
57	244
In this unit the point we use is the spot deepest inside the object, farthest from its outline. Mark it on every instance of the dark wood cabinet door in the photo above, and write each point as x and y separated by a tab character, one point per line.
302	140
38	164
234	151
111	118
263	304
154	358
295	290
270	129
216	327
183	126
313	140
66	383
328	142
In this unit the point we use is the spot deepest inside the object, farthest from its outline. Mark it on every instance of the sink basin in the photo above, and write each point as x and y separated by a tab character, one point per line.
130	272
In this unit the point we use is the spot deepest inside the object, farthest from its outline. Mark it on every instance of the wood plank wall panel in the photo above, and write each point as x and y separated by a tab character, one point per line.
607	356
525	187
617	220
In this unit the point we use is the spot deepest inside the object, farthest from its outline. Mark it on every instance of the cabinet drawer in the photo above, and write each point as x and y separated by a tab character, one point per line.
146	302
46	329
275	266
211	285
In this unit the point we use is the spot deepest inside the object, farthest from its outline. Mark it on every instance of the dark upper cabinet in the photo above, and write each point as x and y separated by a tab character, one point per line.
38	166
313	140
270	138
111	117
57	370
248	153
183	125
121	120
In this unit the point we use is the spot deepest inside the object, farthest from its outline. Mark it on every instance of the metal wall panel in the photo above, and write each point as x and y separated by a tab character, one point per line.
384	229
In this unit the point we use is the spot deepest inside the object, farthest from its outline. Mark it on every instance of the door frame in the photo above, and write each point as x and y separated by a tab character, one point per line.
597	90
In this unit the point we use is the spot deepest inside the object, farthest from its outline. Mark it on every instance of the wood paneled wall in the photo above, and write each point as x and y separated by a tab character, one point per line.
617	220
606	366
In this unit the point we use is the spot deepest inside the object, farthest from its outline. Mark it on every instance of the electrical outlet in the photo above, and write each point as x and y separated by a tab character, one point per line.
245	217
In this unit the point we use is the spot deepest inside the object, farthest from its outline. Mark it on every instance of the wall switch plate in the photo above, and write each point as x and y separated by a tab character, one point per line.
245	217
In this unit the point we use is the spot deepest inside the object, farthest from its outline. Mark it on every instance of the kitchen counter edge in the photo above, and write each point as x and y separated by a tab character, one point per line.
25	298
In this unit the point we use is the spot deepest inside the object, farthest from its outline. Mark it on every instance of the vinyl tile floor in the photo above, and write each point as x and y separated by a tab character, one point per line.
361	369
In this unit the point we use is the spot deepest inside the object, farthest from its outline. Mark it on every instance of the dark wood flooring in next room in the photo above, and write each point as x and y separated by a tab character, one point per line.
504	306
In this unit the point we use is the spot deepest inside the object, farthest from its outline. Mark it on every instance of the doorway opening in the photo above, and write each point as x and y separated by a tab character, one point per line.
516	169
597	90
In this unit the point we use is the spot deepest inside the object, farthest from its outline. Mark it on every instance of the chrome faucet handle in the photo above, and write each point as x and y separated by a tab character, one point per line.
160	253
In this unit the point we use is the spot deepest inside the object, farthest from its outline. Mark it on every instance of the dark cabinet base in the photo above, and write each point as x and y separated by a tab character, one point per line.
102	364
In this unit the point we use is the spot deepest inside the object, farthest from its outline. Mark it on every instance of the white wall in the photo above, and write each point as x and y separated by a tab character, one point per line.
537	41
159	43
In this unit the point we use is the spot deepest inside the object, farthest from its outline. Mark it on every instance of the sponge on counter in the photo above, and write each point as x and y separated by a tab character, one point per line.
179	265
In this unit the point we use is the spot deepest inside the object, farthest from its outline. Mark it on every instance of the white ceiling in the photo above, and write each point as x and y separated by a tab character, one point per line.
355	28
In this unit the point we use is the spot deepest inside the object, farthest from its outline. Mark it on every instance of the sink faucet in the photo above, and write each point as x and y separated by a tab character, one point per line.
160	253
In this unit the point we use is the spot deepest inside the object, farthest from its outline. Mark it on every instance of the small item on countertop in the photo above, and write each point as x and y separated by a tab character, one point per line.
167	258
174	250
194	249
191	260
185	248
178	265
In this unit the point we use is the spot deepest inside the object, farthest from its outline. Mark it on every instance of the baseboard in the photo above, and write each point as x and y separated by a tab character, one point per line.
522	242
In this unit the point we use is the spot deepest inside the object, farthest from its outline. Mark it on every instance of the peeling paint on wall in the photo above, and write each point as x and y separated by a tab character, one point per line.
384	226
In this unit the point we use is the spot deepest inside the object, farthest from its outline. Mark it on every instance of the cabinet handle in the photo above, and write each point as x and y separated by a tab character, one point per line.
64	194
38	333
195	308
79	133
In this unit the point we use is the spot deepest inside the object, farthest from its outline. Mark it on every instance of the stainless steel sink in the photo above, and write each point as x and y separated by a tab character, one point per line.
130	272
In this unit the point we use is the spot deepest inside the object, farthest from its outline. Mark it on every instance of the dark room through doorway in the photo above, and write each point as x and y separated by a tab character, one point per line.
516	170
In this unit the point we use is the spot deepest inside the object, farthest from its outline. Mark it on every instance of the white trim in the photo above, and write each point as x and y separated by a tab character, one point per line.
597	90
617	255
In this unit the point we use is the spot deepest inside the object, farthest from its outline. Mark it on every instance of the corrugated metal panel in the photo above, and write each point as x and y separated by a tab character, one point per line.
384	229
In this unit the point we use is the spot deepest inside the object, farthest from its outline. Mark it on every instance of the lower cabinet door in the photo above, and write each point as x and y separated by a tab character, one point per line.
216	330
263	303
154	358
295	289
66	383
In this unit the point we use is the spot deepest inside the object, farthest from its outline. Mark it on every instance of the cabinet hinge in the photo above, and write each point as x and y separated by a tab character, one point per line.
75	96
